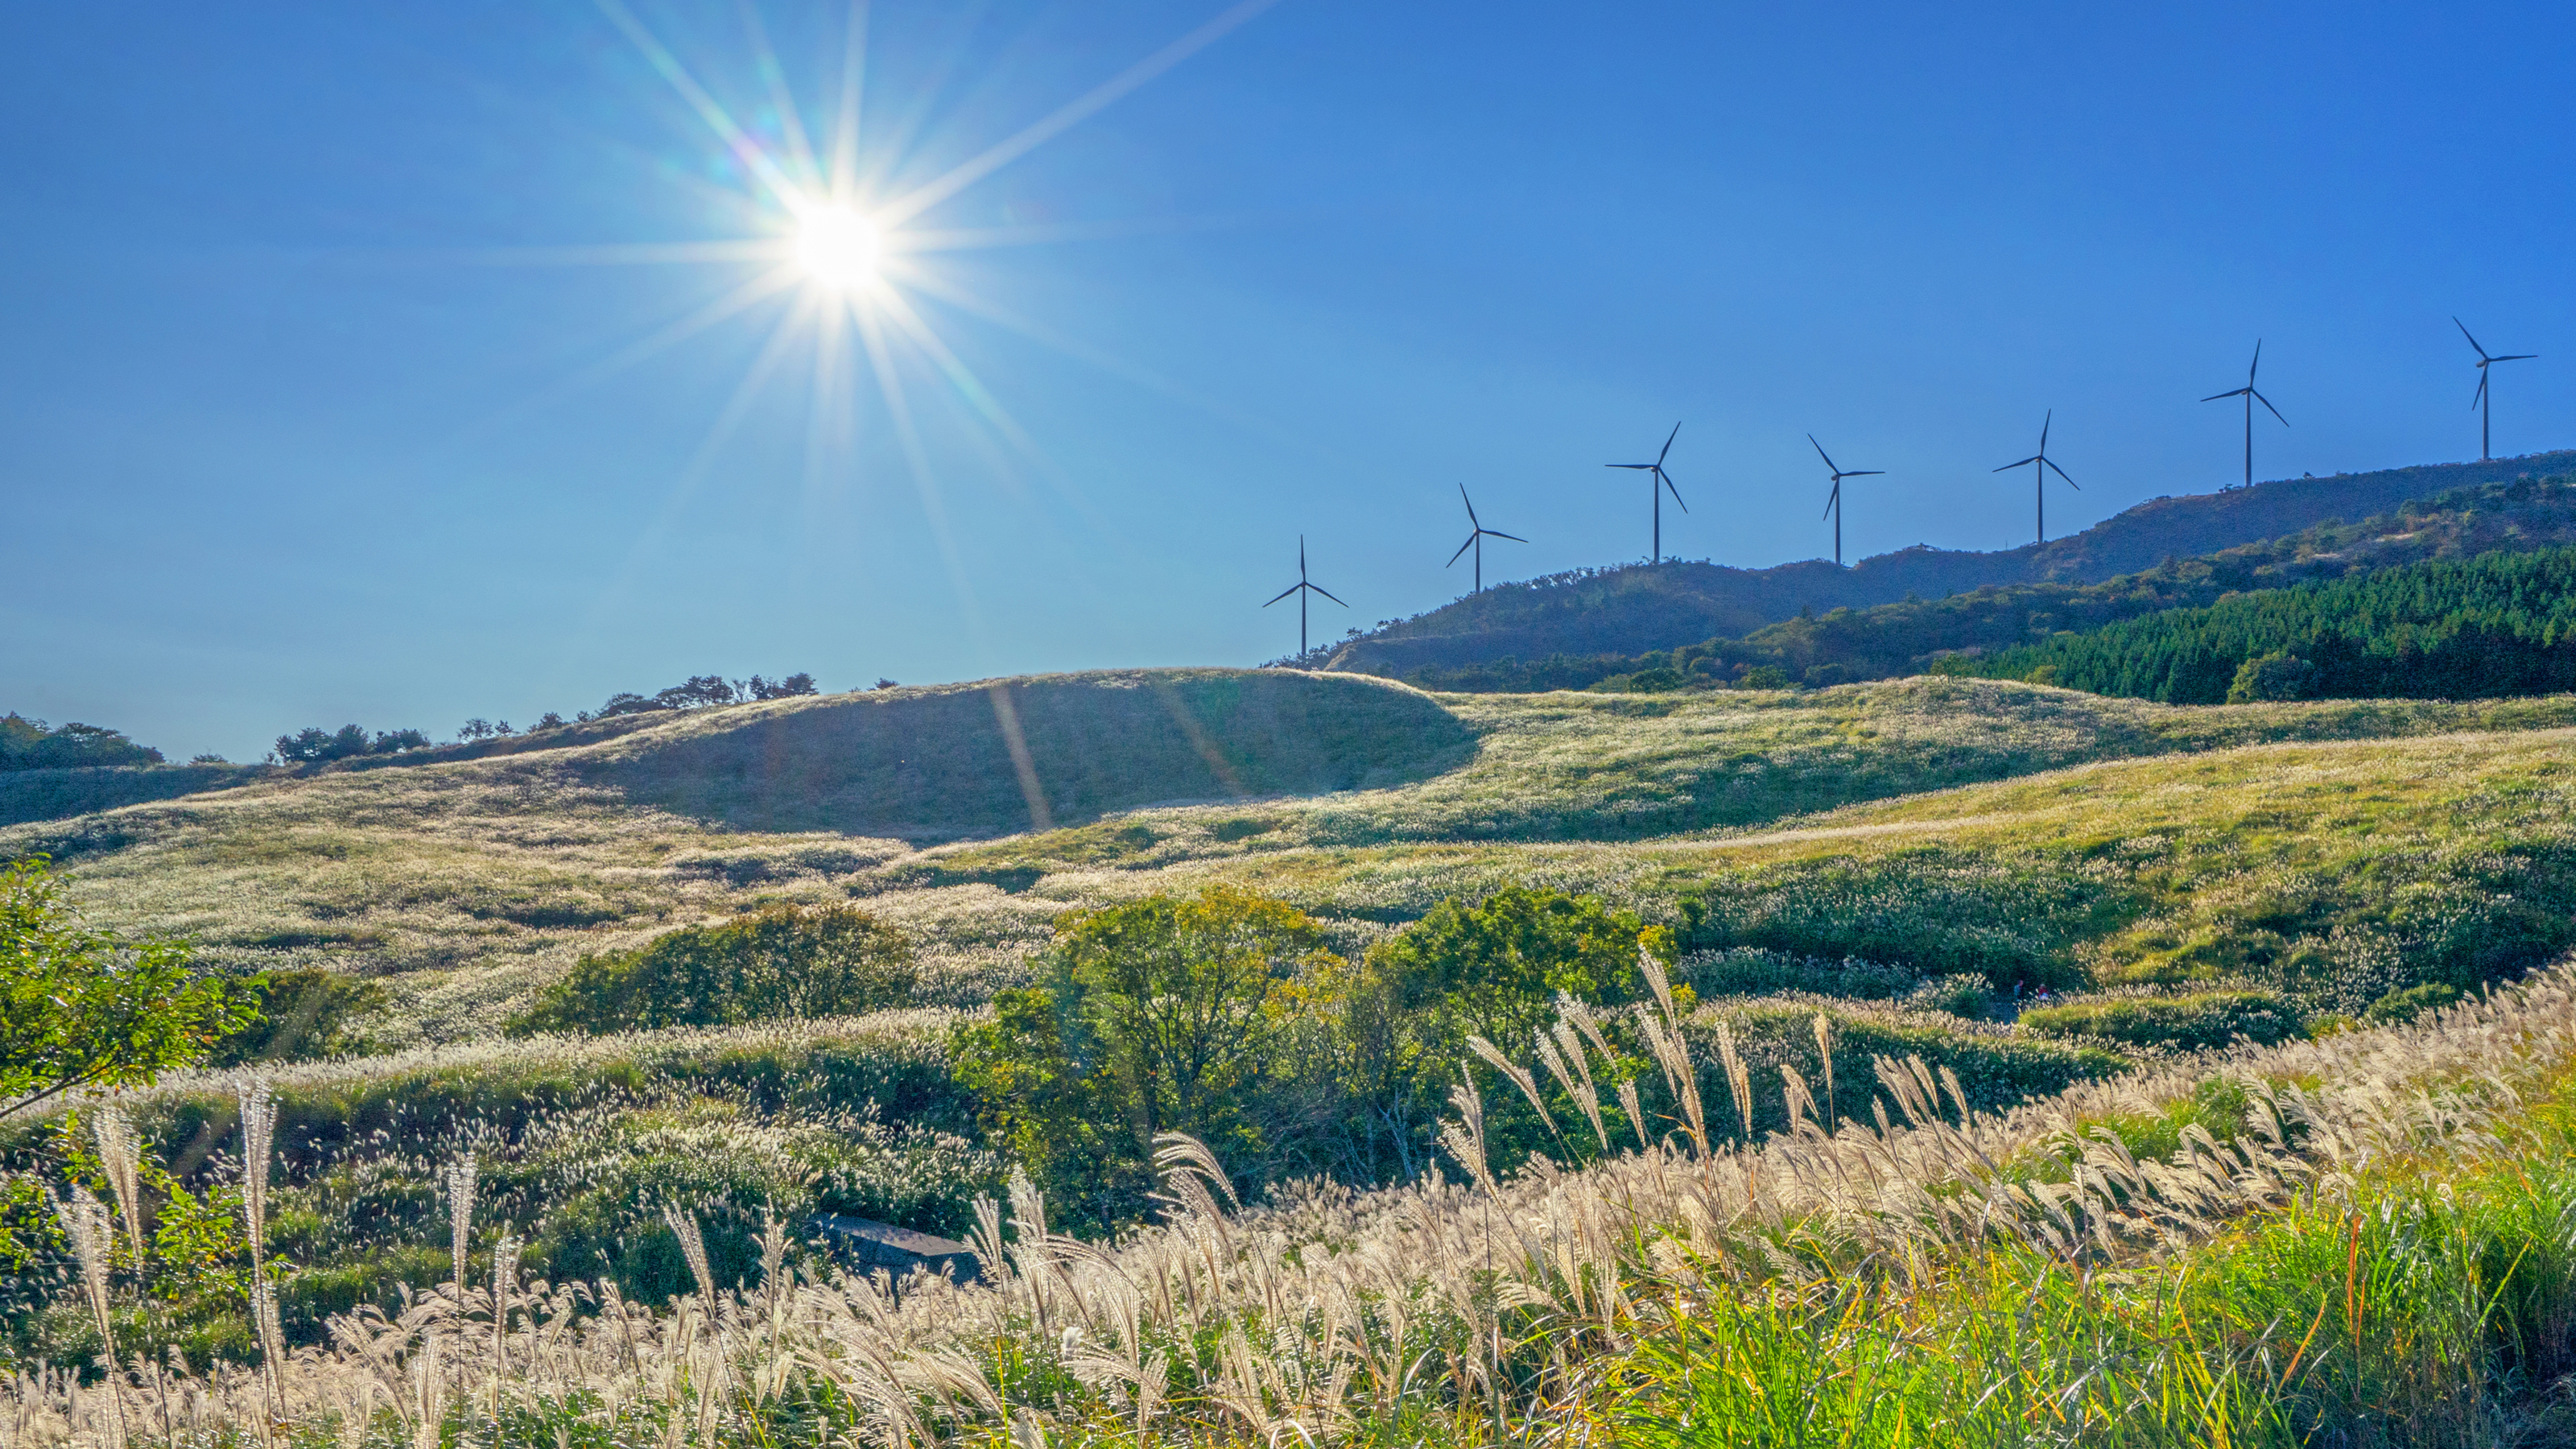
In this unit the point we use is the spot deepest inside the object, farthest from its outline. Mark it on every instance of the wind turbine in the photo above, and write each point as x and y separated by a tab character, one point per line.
2485	400
2039	464
2252	397
1834	504
1656	489
1477	539
1301	589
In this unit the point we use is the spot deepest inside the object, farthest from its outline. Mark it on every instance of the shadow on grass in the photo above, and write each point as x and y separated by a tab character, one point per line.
994	759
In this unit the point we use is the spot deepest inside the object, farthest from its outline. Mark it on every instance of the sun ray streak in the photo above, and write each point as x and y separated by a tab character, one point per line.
791	124
1115	366
782	337
899	412
732	304
744	146
1081	108
845	124
612	254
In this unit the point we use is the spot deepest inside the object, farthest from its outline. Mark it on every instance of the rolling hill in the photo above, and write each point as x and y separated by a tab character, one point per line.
1636	608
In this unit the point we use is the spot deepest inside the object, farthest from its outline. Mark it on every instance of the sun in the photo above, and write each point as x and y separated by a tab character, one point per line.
837	247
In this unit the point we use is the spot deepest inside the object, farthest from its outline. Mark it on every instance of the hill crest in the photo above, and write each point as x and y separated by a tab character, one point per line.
1641	607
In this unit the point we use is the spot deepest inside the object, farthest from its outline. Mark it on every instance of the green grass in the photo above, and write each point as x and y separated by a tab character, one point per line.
467	884
2433	1302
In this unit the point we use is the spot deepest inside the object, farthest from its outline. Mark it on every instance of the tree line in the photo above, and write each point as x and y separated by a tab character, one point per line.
315	745
2496	625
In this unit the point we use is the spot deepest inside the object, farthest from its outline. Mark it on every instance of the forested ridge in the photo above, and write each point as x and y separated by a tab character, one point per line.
2498	624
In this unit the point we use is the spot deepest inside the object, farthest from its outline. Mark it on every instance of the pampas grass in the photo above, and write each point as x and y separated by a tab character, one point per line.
1326	1312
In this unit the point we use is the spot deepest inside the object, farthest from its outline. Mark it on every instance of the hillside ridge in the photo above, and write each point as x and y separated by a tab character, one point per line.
1640	607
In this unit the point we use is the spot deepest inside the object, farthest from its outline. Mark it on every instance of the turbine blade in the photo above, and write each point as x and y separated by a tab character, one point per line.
2267	406
2257	362
1327	593
1283	593
2480	395
1866	473
2024	463
1668	444
1514	537
2473	341
2515	357
2239	392
1471	505
1462	550
2052	465
1639	466
2043	429
1669	488
1821	453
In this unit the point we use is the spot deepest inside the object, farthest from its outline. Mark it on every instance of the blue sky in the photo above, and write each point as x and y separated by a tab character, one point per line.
318	403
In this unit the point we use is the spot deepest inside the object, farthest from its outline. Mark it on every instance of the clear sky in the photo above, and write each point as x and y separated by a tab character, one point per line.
396	364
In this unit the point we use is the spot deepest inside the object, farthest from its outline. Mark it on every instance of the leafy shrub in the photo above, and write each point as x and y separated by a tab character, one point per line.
2203	1019
1750	971
305	1014
2406	1003
2274	676
1497	965
26	744
1965	994
780	961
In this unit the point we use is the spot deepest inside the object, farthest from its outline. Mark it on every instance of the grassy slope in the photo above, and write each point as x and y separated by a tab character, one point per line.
468	883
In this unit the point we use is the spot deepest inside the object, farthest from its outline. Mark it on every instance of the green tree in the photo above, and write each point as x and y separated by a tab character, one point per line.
781	961
1166	1014
1493	968
83	1008
2277	675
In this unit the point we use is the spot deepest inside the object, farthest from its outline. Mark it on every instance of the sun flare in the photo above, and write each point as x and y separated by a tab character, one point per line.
837	247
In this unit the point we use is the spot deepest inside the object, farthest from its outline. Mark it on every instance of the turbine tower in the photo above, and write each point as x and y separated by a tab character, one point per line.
1301	589
1656	488
1834	503
1476	540
2252	397
2039	464
2484	402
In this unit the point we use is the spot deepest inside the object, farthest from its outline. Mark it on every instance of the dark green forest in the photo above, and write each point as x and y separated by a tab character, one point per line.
2500	624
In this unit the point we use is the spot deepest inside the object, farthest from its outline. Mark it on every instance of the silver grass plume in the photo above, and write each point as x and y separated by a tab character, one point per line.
1520	1076
259	1128
117	1152
84	1220
1739	1082
460	1214
1825	1054
693	1246
1465	1138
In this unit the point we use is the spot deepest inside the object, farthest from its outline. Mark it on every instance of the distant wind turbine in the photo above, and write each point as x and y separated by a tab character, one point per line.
1834	504
2252	397
1477	539
1301	589
2485	399
1656	489
2039	464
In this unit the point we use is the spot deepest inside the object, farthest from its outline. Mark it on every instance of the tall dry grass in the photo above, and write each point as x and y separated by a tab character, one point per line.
1463	1310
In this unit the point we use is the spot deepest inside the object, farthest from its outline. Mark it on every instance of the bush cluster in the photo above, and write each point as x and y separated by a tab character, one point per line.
1225	1016
314	745
27	744
2194	1020
782	960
